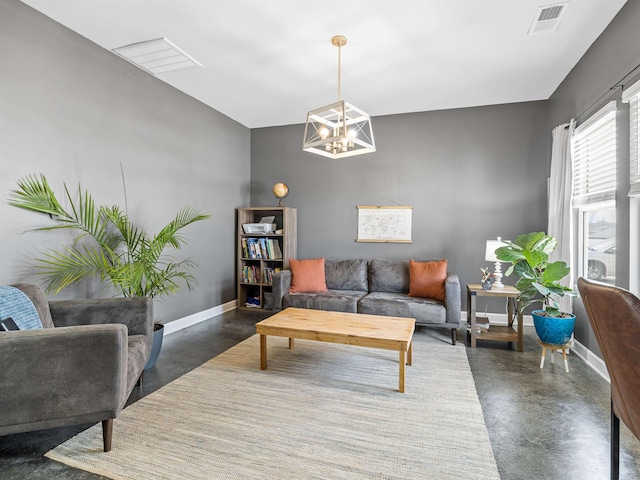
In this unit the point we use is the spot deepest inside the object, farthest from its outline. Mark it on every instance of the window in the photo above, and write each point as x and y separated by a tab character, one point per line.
631	95
598	236
594	188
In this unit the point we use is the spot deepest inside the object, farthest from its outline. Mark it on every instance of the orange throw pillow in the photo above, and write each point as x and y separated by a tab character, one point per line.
426	279
307	275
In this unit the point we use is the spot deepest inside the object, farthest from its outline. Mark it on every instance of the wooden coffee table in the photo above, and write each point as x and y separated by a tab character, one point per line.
389	333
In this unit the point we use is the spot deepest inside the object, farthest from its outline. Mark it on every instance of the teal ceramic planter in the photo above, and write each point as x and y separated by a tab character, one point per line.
553	330
158	335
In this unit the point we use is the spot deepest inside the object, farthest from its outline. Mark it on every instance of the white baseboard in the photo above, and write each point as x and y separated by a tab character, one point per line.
591	359
179	324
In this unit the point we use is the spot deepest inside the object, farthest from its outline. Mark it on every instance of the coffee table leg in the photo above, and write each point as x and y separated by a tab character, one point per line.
410	354
263	352
291	344
402	369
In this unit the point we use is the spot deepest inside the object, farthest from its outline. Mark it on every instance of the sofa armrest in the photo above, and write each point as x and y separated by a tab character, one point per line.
134	312
281	286
453	300
62	376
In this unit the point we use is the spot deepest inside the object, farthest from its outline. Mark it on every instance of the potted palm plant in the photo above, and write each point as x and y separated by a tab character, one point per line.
540	282
109	246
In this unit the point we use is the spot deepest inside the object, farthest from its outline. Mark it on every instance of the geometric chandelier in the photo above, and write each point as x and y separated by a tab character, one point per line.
340	129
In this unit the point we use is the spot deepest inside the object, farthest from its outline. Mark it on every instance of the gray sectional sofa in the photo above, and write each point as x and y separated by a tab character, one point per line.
375	287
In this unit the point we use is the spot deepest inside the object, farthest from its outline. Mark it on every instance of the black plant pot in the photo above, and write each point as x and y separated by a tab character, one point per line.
158	333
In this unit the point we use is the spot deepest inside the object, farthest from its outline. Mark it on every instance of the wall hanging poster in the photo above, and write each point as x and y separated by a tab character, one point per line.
384	224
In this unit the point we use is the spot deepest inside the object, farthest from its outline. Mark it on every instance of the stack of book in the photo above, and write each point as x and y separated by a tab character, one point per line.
268	274
250	274
261	248
482	324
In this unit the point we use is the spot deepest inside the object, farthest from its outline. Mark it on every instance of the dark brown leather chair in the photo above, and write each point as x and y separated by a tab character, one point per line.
614	314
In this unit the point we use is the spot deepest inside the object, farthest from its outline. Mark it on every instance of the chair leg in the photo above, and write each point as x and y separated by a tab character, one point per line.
454	334
107	433
615	445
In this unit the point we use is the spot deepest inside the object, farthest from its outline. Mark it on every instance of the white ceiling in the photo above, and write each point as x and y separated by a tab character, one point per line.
267	62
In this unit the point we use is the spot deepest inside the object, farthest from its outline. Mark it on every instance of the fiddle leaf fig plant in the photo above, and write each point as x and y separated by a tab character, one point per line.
107	243
539	279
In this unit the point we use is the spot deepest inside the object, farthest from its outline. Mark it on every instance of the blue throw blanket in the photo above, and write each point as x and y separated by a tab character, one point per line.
15	304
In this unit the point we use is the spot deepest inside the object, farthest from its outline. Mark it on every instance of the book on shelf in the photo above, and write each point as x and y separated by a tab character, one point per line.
261	248
482	324
268	274
250	274
252	248
256	248
275	246
267	247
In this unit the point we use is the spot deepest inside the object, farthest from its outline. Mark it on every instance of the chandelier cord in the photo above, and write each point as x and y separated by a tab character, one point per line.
339	65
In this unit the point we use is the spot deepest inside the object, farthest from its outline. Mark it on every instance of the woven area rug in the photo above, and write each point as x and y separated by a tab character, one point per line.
320	411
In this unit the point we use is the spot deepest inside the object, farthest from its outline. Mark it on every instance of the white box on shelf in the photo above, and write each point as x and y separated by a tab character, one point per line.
265	225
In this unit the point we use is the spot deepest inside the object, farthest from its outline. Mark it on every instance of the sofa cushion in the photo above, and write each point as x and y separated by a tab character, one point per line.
388	276
332	300
307	275
137	356
426	279
426	311
18	306
346	274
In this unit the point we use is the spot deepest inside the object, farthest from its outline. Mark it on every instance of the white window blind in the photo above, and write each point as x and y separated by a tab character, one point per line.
594	157
631	96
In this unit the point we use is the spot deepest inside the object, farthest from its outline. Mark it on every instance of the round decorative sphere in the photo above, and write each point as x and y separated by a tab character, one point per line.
280	190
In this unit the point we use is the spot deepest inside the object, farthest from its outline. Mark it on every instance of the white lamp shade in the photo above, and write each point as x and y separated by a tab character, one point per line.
490	251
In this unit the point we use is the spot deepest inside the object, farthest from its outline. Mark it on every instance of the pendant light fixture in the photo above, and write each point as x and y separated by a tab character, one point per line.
340	129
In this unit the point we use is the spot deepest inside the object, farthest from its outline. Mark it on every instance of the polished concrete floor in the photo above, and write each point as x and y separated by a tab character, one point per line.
543	424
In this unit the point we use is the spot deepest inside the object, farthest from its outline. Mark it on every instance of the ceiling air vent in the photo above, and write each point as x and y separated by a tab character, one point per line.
548	18
157	56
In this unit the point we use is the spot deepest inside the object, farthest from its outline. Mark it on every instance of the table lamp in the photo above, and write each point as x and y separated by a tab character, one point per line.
490	256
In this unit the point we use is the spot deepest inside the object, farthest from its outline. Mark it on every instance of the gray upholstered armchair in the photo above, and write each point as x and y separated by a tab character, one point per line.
81	371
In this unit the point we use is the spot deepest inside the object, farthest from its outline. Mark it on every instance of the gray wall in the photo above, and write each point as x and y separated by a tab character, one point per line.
610	59
74	111
470	174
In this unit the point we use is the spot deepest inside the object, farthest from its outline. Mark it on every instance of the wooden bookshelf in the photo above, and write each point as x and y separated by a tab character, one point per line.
256	264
